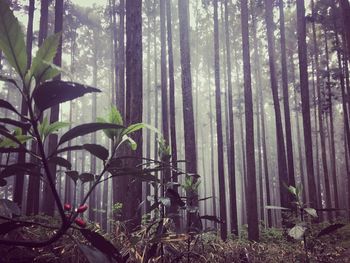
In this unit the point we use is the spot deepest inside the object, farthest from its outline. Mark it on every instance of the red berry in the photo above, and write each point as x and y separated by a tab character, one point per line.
67	207
80	222
82	208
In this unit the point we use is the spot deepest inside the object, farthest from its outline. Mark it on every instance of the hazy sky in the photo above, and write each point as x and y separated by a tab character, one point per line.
89	2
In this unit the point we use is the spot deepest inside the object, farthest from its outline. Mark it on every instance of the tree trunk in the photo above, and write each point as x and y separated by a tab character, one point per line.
288	128
281	153
219	135
231	144
134	113
252	210
305	102
187	99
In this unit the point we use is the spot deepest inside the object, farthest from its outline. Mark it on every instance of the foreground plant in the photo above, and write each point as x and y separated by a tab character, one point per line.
303	219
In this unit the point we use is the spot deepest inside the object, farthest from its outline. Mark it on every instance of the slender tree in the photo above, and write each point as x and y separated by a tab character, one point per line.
187	99
305	101
288	128
219	135
252	210
133	113
281	153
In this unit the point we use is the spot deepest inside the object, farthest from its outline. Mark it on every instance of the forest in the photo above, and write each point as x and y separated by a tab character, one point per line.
174	131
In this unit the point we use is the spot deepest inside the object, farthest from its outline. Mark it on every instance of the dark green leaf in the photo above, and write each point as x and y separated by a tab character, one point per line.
60	161
54	92
97	150
174	197
86	177
330	229
11	225
276	207
12	39
69	148
87	128
102	244
23	125
19	169
74	175
211	218
12	150
46	52
6	105
93	255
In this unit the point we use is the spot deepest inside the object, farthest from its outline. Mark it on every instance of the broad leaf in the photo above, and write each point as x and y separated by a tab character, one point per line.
54	92
115	116
54	127
69	148
12	150
330	229
97	150
165	201
11	225
130	142
46	52
297	232
23	125
87	128
276	207
102	244
6	105
74	175
133	128
312	212
60	161
12	39
211	218
93	255
174	197
19	169
86	177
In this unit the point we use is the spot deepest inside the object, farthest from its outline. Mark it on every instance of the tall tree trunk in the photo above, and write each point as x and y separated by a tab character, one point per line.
288	128
252	210
164	79
281	153
187	99
305	102
34	182
320	119
345	7
19	179
121	57
134	87
231	145
219	135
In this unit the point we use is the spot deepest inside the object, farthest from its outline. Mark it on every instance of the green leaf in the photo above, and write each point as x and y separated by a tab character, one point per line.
312	212
11	139
297	232
42	126
20	169
330	229
54	92
86	177
102	244
54	127
40	69
60	161
115	116
97	150
165	201
87	128
6	105
93	255
133	128
110	133
292	190
12	39
276	207
23	125
74	175
130	141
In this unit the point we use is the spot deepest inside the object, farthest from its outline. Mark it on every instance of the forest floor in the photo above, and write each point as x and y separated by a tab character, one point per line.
273	247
